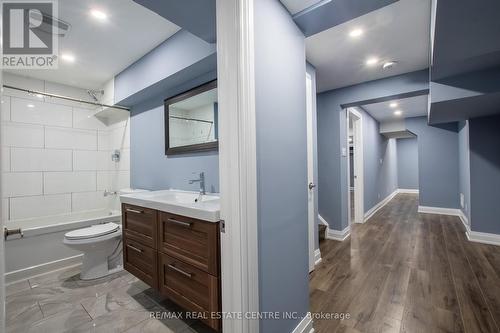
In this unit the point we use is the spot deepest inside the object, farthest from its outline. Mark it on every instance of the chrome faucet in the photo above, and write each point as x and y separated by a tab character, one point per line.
201	180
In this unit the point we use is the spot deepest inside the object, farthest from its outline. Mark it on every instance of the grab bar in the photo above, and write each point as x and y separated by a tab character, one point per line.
7	232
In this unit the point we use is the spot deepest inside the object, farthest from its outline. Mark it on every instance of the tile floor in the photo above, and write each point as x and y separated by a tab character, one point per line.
61	302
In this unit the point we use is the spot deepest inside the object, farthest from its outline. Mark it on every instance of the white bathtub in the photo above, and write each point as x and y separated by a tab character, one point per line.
41	248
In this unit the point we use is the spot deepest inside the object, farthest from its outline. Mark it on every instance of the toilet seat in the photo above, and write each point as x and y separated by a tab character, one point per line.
92	231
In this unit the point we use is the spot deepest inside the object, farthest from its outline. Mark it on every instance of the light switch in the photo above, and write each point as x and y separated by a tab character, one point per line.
344	152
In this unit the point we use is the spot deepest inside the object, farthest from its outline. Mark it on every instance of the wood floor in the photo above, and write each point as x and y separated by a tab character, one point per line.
403	271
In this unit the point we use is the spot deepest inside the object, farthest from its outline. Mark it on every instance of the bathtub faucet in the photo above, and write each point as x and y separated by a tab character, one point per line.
106	193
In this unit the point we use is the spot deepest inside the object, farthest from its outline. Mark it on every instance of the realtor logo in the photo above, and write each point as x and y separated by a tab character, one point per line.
29	41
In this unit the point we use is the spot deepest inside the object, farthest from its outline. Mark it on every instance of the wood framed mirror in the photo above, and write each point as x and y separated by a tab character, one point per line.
191	123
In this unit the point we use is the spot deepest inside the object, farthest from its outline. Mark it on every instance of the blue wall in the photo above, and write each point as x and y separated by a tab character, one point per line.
464	166
380	163
150	168
484	138
407	150
280	71
437	163
332	168
178	64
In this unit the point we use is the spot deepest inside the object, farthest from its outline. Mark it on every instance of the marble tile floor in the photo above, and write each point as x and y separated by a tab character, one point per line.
60	302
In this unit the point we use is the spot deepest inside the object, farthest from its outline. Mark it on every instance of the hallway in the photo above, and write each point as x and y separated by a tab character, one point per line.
407	272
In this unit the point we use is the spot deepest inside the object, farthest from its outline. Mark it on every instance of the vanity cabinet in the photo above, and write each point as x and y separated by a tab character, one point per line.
177	255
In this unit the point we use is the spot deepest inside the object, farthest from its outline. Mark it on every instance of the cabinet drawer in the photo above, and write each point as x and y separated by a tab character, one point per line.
193	241
190	287
140	224
141	261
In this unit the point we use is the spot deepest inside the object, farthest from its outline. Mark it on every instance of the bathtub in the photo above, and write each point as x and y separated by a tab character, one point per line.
41	248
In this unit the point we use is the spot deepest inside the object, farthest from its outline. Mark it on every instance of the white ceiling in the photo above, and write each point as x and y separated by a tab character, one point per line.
397	32
103	48
410	107
295	6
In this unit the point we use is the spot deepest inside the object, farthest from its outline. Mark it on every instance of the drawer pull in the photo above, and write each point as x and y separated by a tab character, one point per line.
135	211
184	224
134	248
178	270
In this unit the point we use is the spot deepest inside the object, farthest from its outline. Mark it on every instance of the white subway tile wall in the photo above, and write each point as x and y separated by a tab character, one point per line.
56	155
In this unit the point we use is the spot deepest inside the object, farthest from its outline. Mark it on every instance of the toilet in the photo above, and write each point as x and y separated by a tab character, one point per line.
101	247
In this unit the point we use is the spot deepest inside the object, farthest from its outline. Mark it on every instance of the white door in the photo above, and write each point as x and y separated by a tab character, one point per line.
310	170
357	142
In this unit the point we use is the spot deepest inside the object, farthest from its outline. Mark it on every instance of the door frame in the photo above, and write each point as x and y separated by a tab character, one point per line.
358	166
237	164
310	169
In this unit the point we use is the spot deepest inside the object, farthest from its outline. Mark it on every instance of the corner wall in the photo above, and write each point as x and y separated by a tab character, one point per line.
281	127
484	136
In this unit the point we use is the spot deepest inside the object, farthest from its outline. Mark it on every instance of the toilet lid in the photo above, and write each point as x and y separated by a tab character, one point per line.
92	231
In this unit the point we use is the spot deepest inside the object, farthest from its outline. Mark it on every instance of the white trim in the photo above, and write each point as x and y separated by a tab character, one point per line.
379	205
465	221
358	166
439	210
483	237
305	325
338	235
30	272
322	220
407	190
311	192
317	257
237	162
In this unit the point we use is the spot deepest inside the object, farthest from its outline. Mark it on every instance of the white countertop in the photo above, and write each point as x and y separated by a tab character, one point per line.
177	202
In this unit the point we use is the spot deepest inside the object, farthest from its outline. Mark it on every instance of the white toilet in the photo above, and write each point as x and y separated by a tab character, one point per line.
102	249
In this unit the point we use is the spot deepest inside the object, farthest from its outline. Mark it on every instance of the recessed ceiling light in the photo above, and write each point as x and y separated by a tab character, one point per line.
68	57
372	61
389	64
356	32
39	95
398	113
30	106
98	14
393	104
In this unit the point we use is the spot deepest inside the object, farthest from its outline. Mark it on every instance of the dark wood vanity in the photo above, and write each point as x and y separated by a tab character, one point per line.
177	255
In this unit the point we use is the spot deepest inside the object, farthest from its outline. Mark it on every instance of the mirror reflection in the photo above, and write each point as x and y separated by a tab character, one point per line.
192	120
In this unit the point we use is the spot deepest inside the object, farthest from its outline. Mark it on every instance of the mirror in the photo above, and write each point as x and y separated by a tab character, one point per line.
191	120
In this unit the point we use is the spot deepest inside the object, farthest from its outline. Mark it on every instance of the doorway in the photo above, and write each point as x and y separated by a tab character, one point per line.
311	193
355	166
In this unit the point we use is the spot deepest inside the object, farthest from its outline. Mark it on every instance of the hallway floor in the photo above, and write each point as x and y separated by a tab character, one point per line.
403	271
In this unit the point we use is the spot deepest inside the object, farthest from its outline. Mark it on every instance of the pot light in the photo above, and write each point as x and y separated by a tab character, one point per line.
68	57
393	105
371	61
356	32
398	112
389	64
39	95
100	15
30	106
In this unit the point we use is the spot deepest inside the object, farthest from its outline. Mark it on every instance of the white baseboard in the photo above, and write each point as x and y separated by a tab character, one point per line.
381	204
338	235
317	257
465	221
322	220
439	210
407	190
483	237
305	325
30	272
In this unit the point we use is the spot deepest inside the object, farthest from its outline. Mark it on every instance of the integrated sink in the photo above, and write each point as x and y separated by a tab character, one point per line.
205	207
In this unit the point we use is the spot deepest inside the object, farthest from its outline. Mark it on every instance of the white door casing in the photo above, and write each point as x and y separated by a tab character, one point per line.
357	120
310	170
